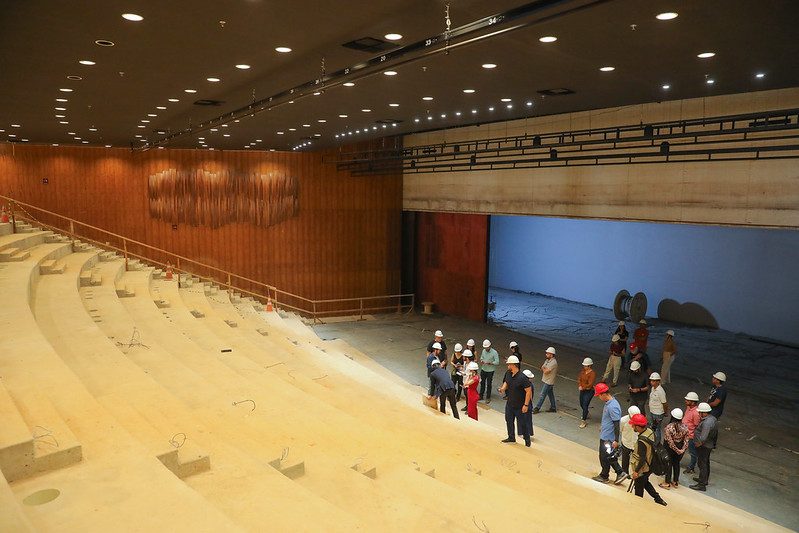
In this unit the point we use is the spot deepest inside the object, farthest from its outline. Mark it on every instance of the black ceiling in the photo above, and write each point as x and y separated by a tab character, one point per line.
181	43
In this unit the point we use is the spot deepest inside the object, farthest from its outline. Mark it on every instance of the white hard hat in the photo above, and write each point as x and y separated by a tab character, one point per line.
676	413
621	322
470	342
528	373
435	362
513	360
721	376
588	361
551	350
704	407
438	333
655	376
692	396
436	346
458	347
633	410
468	353
670	332
472	366
486	343
642	322
635	365
513	344
615	338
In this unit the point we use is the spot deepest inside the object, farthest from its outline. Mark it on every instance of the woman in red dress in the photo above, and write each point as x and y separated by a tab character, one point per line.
471	383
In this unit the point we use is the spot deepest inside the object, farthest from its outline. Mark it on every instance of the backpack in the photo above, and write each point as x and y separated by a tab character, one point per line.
660	457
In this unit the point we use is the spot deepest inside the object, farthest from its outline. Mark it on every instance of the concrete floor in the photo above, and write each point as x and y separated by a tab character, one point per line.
755	466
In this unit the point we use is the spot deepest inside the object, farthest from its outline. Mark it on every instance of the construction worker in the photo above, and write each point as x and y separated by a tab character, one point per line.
615	355
586	380
457	370
519	394
638	385
489	359
691	419
667	356
550	372
642	459
443	388
628	437
705	437
718	394
609	436
641	335
432	355
442	355
657	403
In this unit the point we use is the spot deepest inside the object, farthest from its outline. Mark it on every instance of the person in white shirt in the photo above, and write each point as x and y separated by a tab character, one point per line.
628	437
657	403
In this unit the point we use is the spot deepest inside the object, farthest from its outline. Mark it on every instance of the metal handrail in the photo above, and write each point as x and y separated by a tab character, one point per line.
280	297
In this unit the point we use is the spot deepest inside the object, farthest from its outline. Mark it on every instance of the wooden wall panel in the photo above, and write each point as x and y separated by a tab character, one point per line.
451	270
343	242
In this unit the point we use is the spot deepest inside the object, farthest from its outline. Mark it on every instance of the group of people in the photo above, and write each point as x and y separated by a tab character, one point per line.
634	436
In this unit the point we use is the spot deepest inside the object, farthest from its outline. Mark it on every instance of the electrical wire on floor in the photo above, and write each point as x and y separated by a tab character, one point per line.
134	341
175	444
243	401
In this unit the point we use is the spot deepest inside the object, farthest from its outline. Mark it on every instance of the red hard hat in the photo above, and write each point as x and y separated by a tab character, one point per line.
633	346
600	388
638	420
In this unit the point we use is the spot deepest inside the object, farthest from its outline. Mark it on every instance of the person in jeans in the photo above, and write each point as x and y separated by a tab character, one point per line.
585	385
609	436
519	394
489	359
691	420
676	437
550	372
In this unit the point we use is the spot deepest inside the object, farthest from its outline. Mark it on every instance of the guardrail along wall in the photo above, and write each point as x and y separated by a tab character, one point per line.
282	218
731	160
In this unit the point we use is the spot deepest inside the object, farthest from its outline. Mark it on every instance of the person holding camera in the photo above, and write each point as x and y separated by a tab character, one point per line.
609	436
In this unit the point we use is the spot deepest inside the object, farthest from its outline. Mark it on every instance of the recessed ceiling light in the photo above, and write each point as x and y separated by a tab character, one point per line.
416	120
509	106
213	80
474	111
78	138
174	100
87	62
108	146
548	39
349	84
666	86
607	69
292	129
160	107
226	135
54	144
457	114
16	125
710	81
104	42
60	116
443	115
489	65
392	36
468	91
151	115
393	105
133	17
306	125
145	121
430	117
491	108
139	136
317	93
189	90
390	73
214	129
141	126
224	125
529	103
366	110
74	78
705	55
505	100
427	98
342	116
11	135
242	66
65	90
84	142
760	75
666	16
321	121
283	49
71	133
63	122
60	108
61	100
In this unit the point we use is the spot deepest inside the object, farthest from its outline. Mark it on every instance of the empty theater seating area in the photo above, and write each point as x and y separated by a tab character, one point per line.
129	403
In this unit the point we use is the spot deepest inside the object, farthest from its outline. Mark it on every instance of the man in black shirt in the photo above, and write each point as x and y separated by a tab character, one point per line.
442	355
443	388
519	394
638	386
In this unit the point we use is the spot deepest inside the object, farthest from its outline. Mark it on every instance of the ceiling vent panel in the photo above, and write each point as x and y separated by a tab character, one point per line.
371	45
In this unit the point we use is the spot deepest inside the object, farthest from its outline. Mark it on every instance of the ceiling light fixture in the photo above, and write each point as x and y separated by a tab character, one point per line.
489	65
133	17
607	69
457	114
710	81
529	103
321	121
390	73
213	80
242	66
60	108
104	42
60	116
152	115
63	122
666	86
393	105
760	75
283	49
366	110
61	100
87	62
548	39
392	36
705	55
427	98
666	16
65	90
174	100
349	84
189	90
342	116
505	100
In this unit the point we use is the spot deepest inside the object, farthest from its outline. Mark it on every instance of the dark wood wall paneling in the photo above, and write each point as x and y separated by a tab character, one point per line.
451	270
344	241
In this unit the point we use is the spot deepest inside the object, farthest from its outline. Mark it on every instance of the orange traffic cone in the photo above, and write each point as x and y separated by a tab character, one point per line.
4	217
169	271
269	307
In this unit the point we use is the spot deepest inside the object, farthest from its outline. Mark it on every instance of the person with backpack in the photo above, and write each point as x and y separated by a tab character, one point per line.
643	460
676	436
609	436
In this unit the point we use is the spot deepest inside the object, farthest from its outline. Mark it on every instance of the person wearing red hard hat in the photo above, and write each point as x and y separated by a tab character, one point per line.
641	460
609	436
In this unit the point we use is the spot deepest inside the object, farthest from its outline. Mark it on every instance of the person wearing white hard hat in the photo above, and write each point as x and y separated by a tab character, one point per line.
691	419
586	380
471	382
443	388
432	355
528	416
657	404
514	351
718	394
641	335
705	437
489	360
442	355
628	437
667	355
468	358
638	385
457	370
550	372
519	395
616	354
676	439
